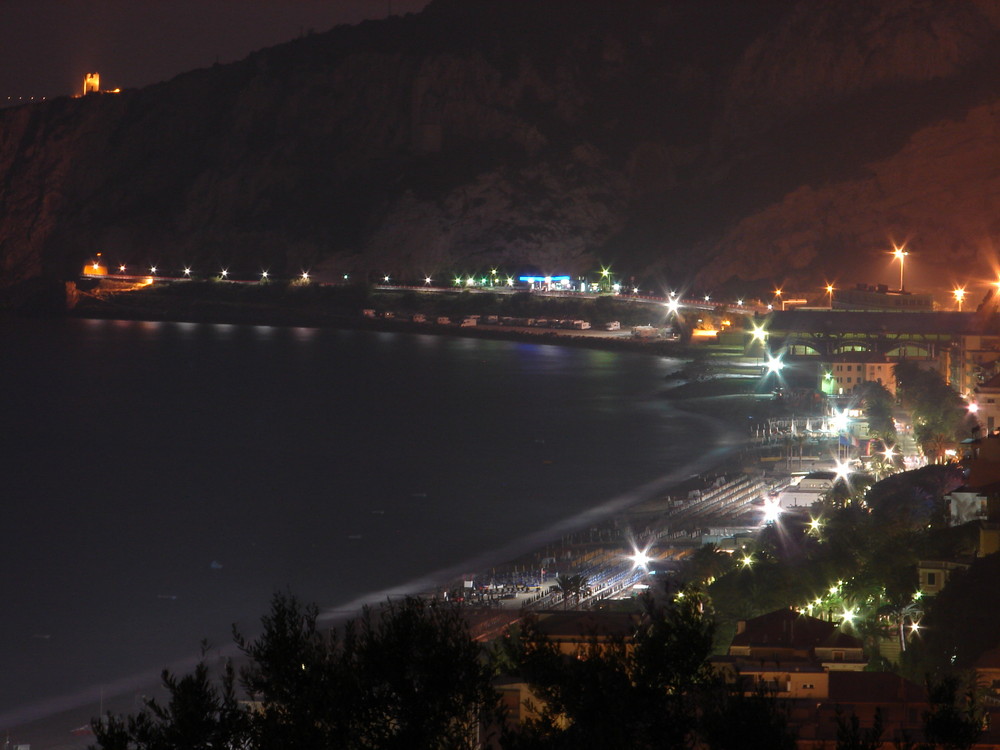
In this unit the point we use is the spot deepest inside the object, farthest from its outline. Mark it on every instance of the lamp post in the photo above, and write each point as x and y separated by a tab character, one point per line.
959	297
900	254
829	291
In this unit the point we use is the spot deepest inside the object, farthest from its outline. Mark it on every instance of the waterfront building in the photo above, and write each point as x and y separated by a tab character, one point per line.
847	372
986	398
962	346
877	297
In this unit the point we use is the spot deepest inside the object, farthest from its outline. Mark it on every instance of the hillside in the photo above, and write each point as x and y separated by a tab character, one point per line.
674	139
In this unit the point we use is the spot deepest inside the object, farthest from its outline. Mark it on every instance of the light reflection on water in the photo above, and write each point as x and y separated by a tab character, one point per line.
334	463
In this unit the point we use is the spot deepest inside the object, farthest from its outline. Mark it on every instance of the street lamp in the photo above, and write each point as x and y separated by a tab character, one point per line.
829	291
959	294
900	254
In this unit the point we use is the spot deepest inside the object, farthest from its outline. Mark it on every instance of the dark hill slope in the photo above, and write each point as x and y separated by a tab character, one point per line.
655	135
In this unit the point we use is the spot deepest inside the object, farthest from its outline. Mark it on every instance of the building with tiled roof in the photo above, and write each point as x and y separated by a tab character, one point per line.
789	636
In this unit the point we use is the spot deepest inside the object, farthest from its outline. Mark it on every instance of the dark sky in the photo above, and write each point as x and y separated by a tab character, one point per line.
46	46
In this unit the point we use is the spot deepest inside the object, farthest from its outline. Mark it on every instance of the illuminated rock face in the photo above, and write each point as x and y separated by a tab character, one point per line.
768	140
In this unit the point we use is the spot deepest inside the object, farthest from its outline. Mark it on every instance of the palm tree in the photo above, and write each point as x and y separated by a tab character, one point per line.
565	584
577	586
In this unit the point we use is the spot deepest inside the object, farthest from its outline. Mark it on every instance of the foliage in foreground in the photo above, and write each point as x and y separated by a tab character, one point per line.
411	676
406	676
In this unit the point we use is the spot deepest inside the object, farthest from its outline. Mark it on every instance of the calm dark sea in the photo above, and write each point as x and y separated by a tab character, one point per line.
161	480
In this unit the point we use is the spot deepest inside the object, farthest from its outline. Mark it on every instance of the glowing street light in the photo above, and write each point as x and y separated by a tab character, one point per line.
747	561
739	302
225	272
772	511
121	268
829	291
759	334
263	275
187	271
152	269
305	276
840	421
774	364
510	281
708	297
427	280
959	294
641	558
900	254
673	306
385	279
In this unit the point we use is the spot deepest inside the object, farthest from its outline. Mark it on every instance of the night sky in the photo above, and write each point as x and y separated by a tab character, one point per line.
46	46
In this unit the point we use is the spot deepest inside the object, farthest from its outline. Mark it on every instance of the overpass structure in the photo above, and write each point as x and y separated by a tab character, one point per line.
895	335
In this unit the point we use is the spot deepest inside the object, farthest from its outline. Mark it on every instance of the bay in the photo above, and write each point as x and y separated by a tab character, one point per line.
162	480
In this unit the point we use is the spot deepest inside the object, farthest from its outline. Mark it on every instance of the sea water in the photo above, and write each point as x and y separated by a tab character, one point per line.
160	481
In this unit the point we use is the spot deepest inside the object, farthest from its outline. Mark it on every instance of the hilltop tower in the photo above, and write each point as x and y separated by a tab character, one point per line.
92	83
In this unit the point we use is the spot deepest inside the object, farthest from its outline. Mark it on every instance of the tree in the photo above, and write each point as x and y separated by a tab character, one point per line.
635	692
940	414
197	716
954	720
652	689
850	735
577	586
878	407
735	718
406	675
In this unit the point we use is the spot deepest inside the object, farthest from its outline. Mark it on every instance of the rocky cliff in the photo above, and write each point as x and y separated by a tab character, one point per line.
679	140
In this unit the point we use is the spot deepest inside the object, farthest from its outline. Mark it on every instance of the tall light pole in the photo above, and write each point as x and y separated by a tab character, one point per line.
829	291
959	296
900	254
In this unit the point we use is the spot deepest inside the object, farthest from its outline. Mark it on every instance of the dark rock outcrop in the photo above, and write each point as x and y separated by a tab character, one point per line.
724	139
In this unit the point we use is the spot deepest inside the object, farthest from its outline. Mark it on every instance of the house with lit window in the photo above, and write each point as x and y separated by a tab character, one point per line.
846	372
986	398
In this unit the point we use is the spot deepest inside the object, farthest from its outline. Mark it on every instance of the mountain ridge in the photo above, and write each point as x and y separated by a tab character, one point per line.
678	141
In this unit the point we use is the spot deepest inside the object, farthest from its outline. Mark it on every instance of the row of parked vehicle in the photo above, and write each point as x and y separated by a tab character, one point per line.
492	320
